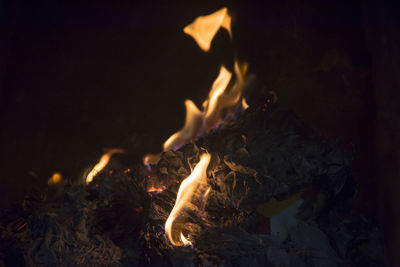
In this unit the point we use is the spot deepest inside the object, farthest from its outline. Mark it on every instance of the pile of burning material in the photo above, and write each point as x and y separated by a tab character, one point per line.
267	156
236	186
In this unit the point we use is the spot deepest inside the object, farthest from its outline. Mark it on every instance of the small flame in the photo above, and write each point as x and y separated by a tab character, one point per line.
151	159
204	28
101	164
189	187
55	178
185	241
244	104
192	125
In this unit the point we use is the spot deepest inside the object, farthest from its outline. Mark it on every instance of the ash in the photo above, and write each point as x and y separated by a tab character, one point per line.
267	156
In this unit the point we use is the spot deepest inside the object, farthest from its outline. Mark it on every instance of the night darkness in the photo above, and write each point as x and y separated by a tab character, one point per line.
78	78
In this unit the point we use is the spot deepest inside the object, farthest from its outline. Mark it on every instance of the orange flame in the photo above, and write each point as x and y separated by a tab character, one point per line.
222	101
101	164
192	125
204	28
217	90
191	186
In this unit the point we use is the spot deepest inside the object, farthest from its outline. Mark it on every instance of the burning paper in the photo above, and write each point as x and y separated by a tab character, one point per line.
224	100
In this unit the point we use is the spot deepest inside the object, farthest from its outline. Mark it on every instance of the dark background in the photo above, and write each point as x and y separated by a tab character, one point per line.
77	78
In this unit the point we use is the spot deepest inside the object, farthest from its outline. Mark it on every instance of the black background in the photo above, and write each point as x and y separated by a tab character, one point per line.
77	78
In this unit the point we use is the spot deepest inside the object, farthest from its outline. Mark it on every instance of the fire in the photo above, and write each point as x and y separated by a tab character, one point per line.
191	186
204	28
220	104
185	241
214	96
192	125
223	100
101	164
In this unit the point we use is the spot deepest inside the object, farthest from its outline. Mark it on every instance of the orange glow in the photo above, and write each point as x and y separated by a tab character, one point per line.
101	164
190	187
153	189
55	178
190	129
204	28
244	104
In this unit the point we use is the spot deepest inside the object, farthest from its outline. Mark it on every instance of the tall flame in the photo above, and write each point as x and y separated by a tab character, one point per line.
192	185
101	164
217	90
223	100
204	28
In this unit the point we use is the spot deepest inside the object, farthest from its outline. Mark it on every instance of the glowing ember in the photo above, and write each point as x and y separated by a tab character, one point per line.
101	164
244	104
191	186
153	189
55	178
204	28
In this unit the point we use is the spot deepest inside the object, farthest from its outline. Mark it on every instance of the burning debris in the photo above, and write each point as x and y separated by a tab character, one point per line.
274	193
264	190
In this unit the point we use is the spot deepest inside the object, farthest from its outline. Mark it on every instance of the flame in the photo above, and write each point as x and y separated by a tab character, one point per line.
218	105
151	159
244	104
101	164
185	241
189	187
192	125
223	100
204	28
55	178
217	90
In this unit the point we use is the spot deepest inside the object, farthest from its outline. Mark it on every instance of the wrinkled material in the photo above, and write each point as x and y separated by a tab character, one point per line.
267	153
